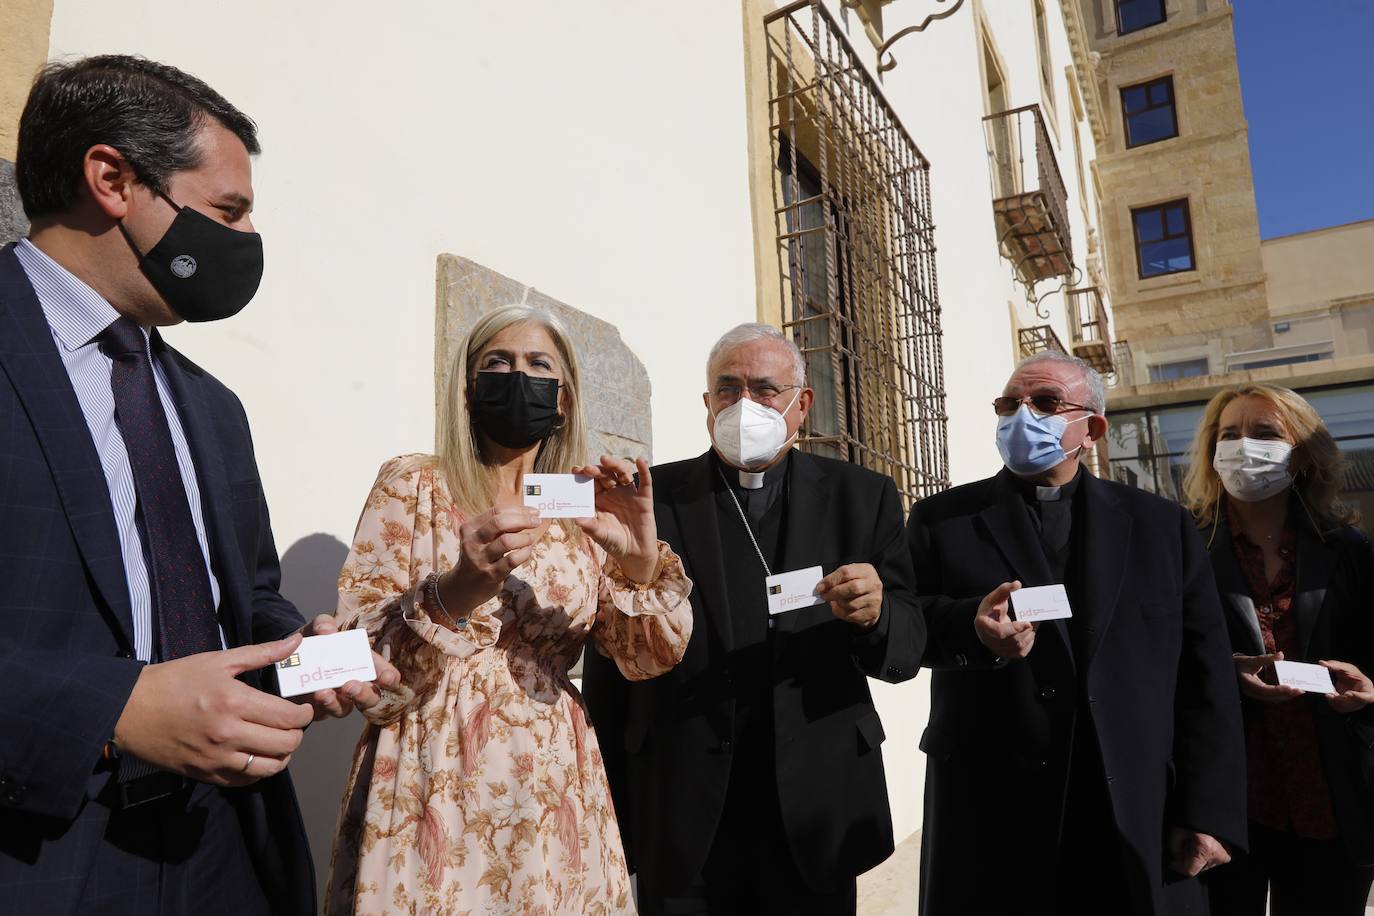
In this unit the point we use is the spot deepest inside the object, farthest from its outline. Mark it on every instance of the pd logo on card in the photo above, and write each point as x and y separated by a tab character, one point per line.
560	495
1041	602
1312	678
791	590
324	662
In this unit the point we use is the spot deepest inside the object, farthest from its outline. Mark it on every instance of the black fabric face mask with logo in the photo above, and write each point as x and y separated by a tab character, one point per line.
204	269
516	410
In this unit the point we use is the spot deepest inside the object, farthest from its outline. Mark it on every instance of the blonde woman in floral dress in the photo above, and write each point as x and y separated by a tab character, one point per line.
478	787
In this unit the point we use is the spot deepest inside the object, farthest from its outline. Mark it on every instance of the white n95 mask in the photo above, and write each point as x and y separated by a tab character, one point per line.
748	435
1253	469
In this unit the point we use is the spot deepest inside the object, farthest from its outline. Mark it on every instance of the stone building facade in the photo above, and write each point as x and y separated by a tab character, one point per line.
1217	305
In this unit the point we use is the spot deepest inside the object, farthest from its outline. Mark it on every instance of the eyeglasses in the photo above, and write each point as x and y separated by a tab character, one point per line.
1040	403
762	394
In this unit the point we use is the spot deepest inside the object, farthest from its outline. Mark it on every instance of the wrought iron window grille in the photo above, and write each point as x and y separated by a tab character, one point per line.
856	253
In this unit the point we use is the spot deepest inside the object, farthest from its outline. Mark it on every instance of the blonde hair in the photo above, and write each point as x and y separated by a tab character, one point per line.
1316	464
471	475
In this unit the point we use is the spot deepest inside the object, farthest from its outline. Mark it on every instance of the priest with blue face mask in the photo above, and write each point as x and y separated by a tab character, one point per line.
750	778
1084	742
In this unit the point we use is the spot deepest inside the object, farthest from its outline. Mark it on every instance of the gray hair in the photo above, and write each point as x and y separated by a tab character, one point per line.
1092	379
749	332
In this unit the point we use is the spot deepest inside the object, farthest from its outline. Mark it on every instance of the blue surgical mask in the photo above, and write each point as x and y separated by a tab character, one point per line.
1030	443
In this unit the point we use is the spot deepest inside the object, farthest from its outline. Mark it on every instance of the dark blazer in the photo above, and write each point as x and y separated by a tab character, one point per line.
1334	604
1154	667
66	626
666	741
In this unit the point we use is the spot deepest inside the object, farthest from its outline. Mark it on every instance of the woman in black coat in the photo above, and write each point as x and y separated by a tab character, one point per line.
1297	582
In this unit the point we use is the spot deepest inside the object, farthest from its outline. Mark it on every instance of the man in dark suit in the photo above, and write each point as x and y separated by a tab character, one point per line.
142	768
1083	765
749	779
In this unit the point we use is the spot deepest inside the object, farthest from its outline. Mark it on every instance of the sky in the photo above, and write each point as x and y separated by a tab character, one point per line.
1307	81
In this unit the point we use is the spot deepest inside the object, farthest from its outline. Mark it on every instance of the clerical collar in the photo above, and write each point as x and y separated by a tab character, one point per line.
1033	491
751	480
756	480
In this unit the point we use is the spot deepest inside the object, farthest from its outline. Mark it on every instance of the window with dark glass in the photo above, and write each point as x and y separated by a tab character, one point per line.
1133	15
1163	238
1042	46
1149	111
1187	368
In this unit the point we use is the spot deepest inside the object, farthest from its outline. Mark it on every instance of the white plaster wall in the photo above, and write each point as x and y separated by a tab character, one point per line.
595	151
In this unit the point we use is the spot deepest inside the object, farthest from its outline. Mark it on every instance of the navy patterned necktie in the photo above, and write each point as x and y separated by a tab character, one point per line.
183	608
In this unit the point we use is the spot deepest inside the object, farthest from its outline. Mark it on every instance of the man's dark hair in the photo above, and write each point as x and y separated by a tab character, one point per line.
150	112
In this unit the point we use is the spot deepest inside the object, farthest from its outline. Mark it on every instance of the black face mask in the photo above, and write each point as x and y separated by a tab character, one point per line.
516	410
203	269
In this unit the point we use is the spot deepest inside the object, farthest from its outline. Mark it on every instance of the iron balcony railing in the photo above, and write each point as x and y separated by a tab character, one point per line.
1123	365
1038	339
1089	334
1030	200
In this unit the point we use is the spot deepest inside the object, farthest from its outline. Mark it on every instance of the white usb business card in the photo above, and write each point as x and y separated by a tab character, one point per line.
323	662
1312	678
560	495
1041	602
791	590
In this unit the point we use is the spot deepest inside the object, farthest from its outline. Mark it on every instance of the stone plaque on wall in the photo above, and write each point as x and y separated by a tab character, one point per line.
615	385
13	224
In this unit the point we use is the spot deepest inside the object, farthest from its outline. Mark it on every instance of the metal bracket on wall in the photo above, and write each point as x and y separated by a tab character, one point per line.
886	47
1074	279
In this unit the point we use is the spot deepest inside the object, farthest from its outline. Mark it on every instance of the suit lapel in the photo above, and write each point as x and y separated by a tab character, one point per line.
1011	529
1235	591
1315	561
1106	546
808	506
694	506
187	386
29	357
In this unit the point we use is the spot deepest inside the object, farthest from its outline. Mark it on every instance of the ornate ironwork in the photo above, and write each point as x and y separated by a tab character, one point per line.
886	46
857	256
1123	366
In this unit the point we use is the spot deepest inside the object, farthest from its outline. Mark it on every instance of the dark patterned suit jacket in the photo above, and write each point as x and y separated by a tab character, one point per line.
66	627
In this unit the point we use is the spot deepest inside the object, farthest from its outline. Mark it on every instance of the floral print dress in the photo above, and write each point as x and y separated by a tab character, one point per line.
478	786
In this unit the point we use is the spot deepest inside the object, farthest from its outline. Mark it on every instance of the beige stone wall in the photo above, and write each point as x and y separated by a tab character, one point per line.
615	385
1319	268
23	49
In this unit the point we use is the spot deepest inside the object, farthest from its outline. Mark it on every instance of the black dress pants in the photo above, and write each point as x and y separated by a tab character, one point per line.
750	868
179	855
1302	876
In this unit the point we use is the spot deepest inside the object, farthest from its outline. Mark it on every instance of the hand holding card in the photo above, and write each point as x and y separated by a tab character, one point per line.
1354	690
624	523
337	703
